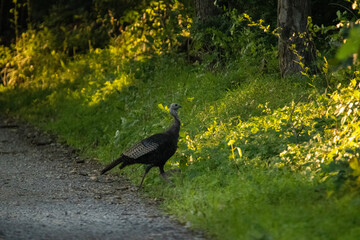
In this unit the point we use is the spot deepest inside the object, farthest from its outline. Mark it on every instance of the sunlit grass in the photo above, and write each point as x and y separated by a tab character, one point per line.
108	89
261	203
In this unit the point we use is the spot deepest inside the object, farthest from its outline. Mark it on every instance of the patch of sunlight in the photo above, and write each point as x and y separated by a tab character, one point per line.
109	88
2	88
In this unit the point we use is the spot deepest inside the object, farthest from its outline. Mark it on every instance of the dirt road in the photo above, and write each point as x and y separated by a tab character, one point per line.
48	192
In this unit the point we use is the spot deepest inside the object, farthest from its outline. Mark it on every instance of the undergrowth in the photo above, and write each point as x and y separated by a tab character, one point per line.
251	152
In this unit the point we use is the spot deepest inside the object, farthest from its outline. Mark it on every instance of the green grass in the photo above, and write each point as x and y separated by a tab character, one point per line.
263	204
231	197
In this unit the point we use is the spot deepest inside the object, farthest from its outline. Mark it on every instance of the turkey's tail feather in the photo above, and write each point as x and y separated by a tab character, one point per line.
112	165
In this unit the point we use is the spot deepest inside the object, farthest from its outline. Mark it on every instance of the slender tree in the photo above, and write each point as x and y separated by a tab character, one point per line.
205	10
294	44
15	20
2	4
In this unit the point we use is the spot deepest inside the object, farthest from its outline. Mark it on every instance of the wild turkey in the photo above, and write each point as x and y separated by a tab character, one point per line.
154	150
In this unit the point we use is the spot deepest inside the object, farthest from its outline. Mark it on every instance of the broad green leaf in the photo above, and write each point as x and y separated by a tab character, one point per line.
239	151
231	142
182	134
161	106
354	164
351	46
149	38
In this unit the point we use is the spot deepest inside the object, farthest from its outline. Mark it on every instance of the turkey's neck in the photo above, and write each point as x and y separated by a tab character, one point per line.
175	128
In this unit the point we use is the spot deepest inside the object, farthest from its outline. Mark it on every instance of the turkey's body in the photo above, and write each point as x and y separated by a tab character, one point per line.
154	150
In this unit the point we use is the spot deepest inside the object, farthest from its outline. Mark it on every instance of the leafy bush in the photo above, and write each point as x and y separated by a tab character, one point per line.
334	145
33	55
228	36
159	28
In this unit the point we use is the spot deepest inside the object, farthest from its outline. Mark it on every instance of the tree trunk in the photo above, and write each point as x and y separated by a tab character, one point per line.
2	14
295	46
205	10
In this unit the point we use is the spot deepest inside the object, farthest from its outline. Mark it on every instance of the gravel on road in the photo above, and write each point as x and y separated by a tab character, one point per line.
48	192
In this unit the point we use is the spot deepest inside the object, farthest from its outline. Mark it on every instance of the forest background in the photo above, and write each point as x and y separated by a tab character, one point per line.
269	144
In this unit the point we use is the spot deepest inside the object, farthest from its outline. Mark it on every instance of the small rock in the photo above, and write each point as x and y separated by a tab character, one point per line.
94	178
122	188
61	177
80	161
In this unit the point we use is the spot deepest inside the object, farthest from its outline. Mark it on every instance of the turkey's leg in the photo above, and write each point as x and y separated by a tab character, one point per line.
146	171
